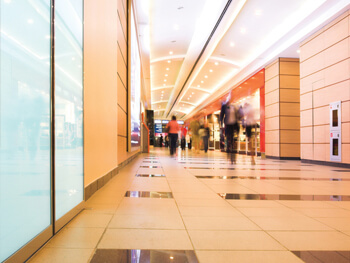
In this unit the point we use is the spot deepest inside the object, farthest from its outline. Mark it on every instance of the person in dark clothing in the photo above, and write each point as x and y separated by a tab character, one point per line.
161	140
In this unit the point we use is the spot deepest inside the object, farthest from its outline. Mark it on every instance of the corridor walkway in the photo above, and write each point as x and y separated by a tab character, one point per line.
200	208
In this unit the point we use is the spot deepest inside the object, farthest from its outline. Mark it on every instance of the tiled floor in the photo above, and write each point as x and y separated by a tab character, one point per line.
274	211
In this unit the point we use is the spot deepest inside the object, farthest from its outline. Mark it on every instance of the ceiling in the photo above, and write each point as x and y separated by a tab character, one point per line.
195	51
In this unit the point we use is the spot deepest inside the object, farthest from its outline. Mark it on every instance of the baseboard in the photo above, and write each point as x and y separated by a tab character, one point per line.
341	165
283	158
103	180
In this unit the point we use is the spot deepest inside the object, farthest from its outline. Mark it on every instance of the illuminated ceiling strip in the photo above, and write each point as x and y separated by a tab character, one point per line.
192	104
225	61
160	101
204	90
160	88
167	58
232	18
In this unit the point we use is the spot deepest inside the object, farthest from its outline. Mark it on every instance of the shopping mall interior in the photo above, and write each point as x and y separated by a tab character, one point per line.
175	131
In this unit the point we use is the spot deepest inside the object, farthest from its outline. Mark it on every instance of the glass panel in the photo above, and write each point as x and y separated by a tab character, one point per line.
25	201
68	105
335	147
335	118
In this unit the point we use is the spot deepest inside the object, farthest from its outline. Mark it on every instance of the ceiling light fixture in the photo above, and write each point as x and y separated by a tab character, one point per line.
169	61
210	70
170	52
202	81
206	76
176	27
166	75
165	80
167	68
298	51
243	30
216	63
232	44
198	86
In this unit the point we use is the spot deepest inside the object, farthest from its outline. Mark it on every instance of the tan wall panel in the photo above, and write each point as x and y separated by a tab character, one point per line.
291	123
337	53
272	97
306	101
337	73
306	118
100	89
289	95
272	137
289	82
272	124
306	135
321	134
272	70
122	11
122	98
122	150
272	84
289	136
345	152
122	68
289	68
307	82
321	116
122	42
290	109
318	85
313	47
306	151
336	92
345	111
312	65
122	122
290	150
272	150
336	32
320	152
272	110
345	132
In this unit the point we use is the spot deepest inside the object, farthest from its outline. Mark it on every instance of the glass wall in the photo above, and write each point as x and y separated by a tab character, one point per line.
25	117
68	105
25	200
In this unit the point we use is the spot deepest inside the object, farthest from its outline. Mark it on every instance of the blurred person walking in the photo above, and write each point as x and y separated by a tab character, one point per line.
173	129
229	116
194	128
249	124
204	132
183	137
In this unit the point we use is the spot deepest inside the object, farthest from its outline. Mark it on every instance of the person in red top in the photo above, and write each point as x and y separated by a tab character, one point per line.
173	129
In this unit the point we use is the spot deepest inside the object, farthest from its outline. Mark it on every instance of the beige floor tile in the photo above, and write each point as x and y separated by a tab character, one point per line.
141	206
76	238
100	208
341	224
307	204
343	204
268	211
233	240
201	202
320	212
145	239
59	255
209	211
303	240
153	221
254	203
247	257
90	220
289	223
234	189
219	223
150	171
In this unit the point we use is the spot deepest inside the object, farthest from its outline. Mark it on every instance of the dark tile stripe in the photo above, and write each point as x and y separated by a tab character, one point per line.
271	178
139	194
152	175
234	196
323	256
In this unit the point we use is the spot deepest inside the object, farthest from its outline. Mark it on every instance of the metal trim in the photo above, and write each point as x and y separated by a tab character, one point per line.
60	223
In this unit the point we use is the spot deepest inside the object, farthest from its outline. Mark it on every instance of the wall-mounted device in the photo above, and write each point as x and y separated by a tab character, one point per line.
335	131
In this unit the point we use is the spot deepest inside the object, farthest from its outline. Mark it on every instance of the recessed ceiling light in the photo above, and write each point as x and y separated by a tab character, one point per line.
216	63
176	27
192	92
166	75
240	87
188	98
243	30
162	91
165	80
210	70
170	52
258	12
167	69
198	86
169	61
298	51
202	81
164	84
206	76
232	44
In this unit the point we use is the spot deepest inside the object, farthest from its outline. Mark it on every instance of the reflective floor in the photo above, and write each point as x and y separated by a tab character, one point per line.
202	208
